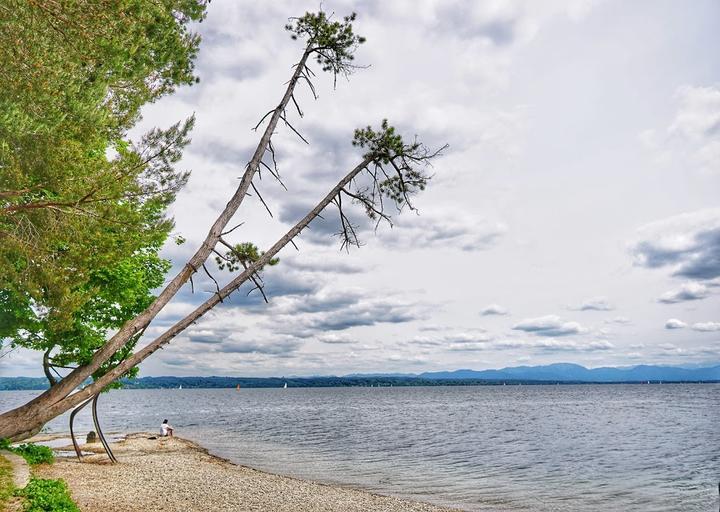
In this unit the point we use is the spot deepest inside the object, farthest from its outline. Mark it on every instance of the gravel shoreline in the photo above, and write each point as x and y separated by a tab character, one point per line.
177	475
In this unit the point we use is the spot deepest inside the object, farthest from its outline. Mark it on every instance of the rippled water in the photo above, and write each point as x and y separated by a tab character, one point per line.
540	448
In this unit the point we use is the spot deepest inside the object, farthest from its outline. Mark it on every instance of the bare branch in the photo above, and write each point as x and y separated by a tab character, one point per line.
369	206
297	107
261	199
274	175
311	86
262	119
231	230
293	129
217	286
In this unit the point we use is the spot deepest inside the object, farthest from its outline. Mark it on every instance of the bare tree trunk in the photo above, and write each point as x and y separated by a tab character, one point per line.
75	378
19	423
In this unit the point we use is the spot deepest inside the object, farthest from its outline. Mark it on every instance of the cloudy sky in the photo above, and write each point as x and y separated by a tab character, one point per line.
574	218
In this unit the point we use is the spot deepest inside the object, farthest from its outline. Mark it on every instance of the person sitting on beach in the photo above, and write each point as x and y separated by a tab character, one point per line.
165	429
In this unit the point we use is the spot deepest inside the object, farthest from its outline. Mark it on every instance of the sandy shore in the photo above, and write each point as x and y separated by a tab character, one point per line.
173	474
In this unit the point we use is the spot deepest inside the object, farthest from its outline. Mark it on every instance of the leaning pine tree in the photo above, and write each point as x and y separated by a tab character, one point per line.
388	174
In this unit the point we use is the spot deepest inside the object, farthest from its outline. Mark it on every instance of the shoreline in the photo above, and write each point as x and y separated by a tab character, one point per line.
176	474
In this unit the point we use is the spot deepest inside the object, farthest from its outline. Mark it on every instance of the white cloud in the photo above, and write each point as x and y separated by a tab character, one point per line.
674	323
549	325
335	339
618	320
693	137
453	339
555	345
539	218
706	326
698	123
594	304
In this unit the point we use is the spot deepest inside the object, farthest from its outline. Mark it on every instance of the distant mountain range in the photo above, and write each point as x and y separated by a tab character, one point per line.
561	373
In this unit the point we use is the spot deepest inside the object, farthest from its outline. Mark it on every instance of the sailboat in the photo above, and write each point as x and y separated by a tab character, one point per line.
180	386
285	386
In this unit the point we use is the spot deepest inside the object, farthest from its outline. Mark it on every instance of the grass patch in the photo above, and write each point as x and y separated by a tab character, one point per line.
47	495
35	453
6	481
32	453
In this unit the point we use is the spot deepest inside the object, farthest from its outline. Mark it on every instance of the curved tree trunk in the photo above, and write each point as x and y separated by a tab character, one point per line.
37	412
46	367
20	423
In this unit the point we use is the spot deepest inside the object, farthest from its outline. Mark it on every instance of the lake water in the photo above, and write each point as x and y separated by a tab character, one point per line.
540	448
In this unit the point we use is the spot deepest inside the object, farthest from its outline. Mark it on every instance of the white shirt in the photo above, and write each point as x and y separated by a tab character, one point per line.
164	429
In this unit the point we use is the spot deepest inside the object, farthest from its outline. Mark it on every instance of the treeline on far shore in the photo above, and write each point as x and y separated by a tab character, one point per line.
40	383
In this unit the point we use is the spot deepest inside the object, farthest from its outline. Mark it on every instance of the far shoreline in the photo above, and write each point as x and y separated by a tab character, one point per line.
442	384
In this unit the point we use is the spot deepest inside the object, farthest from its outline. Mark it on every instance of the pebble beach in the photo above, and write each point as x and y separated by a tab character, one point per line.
177	475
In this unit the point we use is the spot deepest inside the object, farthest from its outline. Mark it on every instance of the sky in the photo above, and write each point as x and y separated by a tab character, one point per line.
575	216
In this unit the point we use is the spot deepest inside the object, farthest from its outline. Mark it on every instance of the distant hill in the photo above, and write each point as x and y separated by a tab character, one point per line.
23	383
561	373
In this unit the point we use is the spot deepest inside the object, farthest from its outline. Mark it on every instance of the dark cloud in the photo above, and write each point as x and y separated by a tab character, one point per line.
687	292
206	336
237	155
459	19
324	230
362	315
704	262
277	283
442	231
493	309
226	55
500	32
689	243
177	361
334	157
253	347
431	328
326	265
332	301
550	325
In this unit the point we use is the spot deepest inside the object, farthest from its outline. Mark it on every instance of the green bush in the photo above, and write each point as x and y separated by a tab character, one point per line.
43	495
35	454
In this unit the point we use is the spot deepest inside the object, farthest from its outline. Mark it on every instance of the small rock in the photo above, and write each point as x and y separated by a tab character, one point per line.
91	437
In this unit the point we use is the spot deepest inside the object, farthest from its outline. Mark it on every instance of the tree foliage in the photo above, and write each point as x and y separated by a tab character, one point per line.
332	42
82	208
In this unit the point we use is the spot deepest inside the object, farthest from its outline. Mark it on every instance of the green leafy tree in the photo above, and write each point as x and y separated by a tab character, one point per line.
82	208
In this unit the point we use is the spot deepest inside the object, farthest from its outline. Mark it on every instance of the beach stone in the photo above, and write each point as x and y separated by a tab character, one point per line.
178	475
91	437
